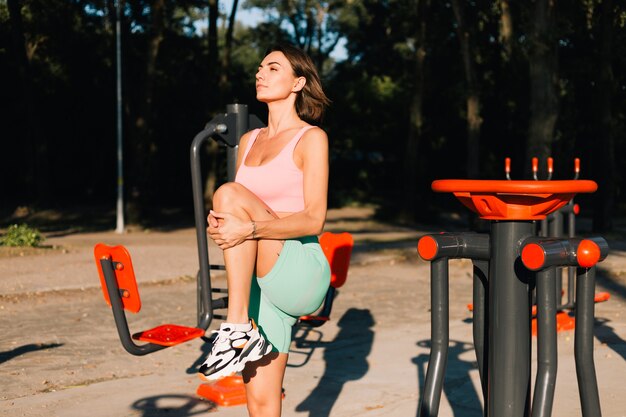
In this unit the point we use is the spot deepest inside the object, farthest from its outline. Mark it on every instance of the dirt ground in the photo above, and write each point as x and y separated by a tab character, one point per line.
60	354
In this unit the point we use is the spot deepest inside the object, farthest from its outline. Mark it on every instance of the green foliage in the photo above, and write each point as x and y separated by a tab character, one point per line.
60	112
21	235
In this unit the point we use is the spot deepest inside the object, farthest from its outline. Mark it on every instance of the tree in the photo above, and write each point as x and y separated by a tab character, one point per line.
36	146
543	78
214	62
227	51
313	23
416	114
141	136
465	34
604	151
505	28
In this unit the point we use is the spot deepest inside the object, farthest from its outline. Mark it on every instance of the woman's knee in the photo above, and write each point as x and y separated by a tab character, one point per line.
227	194
263	407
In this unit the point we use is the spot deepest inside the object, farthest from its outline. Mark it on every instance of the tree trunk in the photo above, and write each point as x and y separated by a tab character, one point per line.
109	16
543	98
474	121
416	118
35	144
604	150
219	88
225	88
144	147
506	29
213	93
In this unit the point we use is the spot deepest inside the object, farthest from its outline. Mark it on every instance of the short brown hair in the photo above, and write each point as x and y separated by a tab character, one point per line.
311	101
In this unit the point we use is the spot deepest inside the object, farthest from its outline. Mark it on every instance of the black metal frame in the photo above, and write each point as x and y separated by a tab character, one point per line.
563	253
115	297
473	246
503	350
226	129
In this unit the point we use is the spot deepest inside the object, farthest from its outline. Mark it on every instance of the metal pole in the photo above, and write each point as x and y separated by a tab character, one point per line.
440	338
547	357
205	309
509	322
571	271
241	127
556	230
120	317
583	343
120	170
480	320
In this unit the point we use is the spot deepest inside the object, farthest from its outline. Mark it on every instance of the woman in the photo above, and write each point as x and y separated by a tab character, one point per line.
267	223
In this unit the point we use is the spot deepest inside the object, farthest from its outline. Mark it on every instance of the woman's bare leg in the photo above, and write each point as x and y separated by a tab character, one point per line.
264	384
241	260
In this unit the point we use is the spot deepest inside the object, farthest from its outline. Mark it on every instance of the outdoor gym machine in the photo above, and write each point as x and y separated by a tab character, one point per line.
505	261
115	266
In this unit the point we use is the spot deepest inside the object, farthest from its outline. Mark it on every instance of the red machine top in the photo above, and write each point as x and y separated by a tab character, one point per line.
514	200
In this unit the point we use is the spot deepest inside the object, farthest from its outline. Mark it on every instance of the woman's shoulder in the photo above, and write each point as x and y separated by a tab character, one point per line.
243	141
313	141
314	133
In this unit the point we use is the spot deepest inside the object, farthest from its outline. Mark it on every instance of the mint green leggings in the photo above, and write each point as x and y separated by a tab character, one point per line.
296	286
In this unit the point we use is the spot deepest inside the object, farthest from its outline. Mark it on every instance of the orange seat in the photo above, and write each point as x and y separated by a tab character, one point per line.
338	250
120	290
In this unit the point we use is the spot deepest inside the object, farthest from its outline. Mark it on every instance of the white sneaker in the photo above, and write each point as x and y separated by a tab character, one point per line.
232	349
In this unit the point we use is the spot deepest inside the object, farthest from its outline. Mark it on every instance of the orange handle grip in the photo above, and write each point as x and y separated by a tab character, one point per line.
550	165
577	165
535	162
507	165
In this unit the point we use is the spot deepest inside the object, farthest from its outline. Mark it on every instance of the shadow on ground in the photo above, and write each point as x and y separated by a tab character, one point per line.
606	334
33	347
345	360
457	385
172	405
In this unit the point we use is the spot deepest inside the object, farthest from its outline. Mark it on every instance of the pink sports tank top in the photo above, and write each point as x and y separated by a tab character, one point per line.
279	182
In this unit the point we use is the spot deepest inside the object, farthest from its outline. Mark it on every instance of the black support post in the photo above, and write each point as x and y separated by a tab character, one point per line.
583	342
118	314
480	321
509	320
439	328
547	358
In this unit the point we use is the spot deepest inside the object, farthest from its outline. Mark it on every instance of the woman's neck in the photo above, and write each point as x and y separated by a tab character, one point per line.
281	116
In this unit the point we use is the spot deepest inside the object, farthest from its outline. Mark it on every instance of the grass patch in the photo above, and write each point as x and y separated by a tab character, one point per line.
21	235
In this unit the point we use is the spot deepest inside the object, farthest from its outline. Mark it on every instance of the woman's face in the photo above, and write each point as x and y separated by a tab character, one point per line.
275	79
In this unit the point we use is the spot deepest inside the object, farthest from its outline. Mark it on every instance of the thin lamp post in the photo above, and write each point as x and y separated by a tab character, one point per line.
120	170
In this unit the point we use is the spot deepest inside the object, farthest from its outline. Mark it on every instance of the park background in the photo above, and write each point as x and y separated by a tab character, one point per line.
421	90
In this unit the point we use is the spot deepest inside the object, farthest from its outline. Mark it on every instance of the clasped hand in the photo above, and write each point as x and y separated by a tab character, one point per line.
227	230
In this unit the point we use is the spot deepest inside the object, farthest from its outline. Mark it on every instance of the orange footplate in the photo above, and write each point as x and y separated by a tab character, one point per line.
169	334
227	391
